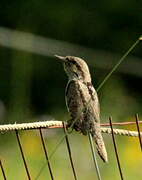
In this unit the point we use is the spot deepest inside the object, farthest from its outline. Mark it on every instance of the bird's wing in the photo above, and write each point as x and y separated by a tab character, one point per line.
73	98
80	95
94	102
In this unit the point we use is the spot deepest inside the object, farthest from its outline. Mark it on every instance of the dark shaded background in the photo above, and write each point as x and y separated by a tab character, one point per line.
107	25
32	86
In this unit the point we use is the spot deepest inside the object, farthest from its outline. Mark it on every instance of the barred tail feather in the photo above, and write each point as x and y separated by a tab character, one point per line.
97	136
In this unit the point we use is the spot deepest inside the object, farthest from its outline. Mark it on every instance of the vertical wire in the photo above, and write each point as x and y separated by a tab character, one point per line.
46	154
138	128
115	148
69	151
94	156
22	153
50	156
2	169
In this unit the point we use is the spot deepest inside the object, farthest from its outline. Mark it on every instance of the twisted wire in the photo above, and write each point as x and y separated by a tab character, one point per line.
121	132
28	126
58	124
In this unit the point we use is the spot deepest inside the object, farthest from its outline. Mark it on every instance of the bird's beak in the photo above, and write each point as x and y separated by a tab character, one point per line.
63	59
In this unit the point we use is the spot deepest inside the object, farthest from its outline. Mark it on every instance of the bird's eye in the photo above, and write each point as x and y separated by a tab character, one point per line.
73	62
67	58
68	63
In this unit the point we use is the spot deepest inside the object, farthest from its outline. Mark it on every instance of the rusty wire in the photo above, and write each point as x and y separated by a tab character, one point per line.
115	148
69	151
23	156
46	154
138	128
2	169
120	123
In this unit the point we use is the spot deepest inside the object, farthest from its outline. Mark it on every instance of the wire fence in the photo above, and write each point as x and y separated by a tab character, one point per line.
58	124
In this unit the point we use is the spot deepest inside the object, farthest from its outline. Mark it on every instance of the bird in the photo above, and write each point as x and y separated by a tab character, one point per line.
82	101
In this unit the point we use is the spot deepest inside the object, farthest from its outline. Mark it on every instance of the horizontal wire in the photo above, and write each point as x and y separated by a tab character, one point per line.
58	124
33	125
121	123
120	132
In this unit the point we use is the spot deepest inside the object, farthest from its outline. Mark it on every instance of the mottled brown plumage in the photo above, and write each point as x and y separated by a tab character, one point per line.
82	101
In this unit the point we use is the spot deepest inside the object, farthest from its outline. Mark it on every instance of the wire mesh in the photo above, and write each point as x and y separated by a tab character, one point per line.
57	124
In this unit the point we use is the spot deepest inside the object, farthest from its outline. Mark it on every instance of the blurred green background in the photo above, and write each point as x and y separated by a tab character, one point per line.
32	81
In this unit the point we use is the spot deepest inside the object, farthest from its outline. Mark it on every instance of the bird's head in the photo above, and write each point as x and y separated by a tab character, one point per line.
75	68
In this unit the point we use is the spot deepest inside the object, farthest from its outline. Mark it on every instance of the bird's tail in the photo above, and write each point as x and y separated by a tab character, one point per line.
97	136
